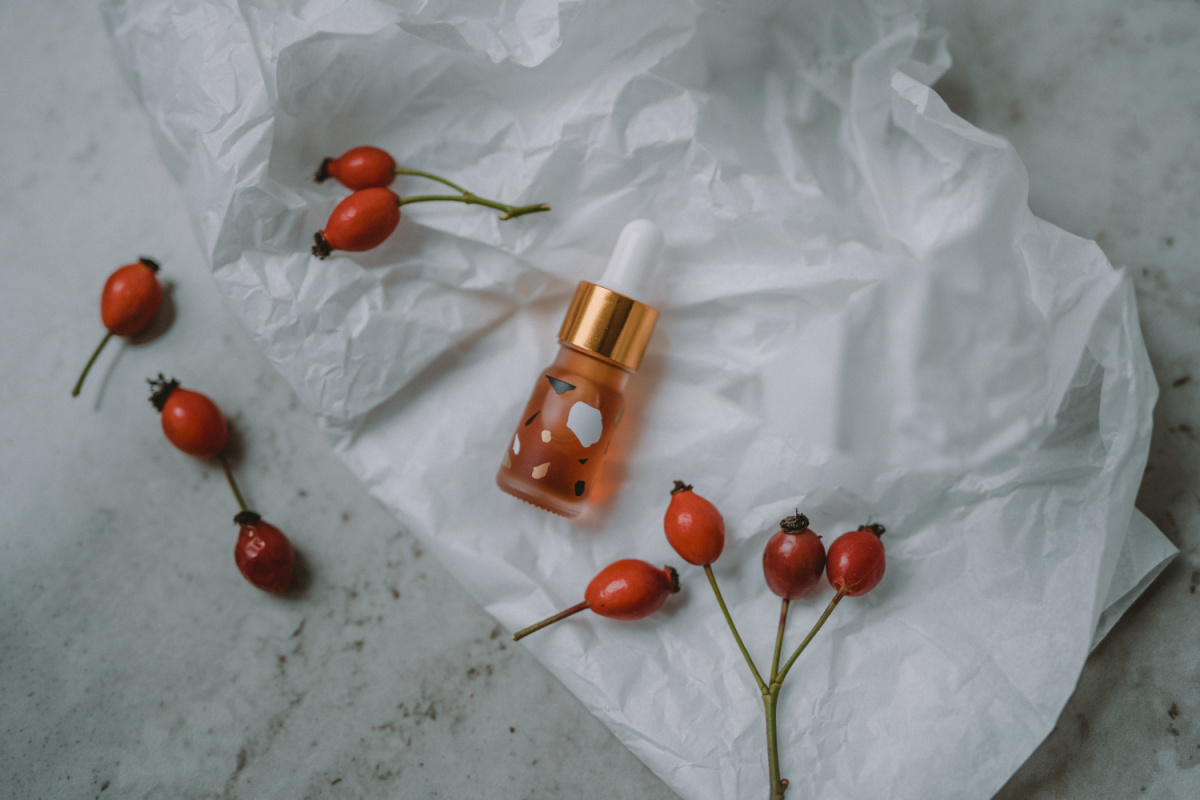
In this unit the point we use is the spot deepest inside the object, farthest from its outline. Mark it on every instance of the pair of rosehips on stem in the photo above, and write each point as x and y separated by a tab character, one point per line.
364	219
194	424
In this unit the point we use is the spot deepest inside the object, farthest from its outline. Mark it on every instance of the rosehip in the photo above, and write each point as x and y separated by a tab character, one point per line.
190	420
856	560
794	558
360	168
129	302
263	554
693	526
627	589
360	222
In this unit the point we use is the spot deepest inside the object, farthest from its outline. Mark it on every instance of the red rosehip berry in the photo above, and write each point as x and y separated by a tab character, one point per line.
694	527
627	589
129	302
360	168
263	553
360	222
856	560
793	559
191	421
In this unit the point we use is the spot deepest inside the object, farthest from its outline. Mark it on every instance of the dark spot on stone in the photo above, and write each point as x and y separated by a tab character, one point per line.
1195	581
303	493
1173	711
583	461
579	487
529	421
1181	381
511	729
1170	240
104	785
559	386
335	781
1171	729
345	516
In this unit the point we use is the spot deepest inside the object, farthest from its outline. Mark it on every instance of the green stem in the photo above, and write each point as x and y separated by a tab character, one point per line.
521	634
79	384
837	598
509	211
783	611
232	483
770	701
712	580
432	177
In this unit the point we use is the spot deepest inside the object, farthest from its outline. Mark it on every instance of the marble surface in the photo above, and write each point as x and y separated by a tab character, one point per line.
134	660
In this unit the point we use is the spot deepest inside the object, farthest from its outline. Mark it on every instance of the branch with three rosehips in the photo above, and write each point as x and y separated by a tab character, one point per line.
793	561
194	424
367	217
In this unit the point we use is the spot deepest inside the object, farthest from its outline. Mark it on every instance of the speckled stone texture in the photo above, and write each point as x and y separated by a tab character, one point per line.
136	663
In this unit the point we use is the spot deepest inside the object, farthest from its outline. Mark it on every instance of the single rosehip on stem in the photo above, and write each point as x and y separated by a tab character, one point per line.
191	421
856	560
359	168
793	559
360	222
263	553
129	302
627	589
694	526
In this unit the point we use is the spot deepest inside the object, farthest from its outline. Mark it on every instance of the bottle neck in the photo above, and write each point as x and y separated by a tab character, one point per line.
595	368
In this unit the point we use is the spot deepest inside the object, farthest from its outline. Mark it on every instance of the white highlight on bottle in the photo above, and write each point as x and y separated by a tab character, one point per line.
586	423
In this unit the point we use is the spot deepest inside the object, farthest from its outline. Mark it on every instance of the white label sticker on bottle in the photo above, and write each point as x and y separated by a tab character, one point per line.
586	423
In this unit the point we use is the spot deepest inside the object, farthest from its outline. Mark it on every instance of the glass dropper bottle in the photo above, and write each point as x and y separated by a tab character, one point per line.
557	453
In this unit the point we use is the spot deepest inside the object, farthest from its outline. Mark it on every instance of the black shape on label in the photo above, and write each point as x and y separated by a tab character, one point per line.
559	386
579	487
529	421
583	461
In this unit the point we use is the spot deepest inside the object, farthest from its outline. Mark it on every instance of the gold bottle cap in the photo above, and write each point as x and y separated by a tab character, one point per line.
608	324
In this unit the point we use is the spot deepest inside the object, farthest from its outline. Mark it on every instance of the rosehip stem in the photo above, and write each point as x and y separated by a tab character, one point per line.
509	211
837	598
87	368
432	177
537	626
241	501
712	581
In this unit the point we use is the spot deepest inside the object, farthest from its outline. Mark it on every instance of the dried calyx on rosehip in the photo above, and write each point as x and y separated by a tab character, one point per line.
627	589
367	217
263	554
129	302
794	558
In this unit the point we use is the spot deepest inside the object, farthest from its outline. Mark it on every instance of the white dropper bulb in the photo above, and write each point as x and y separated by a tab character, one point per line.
634	261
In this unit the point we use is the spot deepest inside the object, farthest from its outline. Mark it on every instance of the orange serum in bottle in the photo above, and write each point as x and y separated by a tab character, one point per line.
578	402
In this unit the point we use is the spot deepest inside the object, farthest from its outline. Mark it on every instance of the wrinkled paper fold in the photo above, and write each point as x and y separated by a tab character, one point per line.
860	318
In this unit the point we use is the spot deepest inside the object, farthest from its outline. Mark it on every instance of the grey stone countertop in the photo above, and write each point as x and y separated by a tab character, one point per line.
135	662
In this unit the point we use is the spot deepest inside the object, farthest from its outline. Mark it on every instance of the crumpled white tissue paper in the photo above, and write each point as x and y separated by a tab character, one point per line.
860	318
